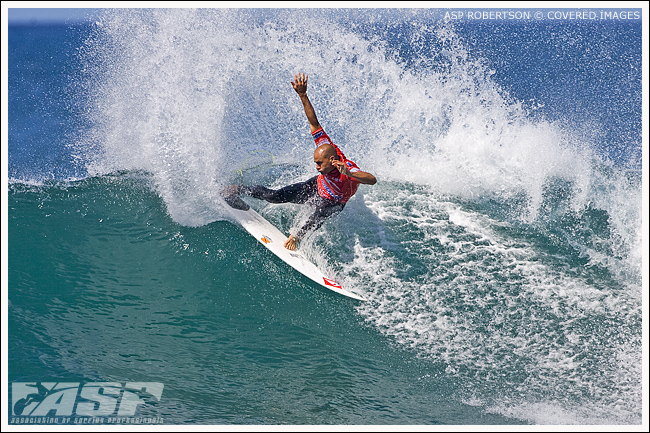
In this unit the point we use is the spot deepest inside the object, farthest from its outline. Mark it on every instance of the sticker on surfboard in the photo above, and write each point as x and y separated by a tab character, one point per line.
332	283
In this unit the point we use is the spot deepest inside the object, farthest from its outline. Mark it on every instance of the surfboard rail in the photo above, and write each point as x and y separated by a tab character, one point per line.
273	239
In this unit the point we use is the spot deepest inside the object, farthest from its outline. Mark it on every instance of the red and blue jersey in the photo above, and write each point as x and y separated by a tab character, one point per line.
335	185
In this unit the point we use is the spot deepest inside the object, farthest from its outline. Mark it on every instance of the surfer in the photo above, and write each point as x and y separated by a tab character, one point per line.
329	191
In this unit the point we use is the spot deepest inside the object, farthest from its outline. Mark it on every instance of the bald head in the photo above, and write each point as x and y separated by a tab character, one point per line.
323	156
326	151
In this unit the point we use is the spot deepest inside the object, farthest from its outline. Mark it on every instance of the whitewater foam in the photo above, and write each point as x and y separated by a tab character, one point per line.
498	310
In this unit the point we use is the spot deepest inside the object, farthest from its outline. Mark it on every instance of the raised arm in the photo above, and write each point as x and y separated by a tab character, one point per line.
300	86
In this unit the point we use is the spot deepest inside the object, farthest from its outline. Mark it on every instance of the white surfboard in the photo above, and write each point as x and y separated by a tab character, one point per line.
273	239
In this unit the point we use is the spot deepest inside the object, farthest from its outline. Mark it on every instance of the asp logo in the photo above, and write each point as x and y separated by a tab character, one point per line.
92	399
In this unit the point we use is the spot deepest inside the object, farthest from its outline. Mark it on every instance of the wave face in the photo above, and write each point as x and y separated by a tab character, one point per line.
501	250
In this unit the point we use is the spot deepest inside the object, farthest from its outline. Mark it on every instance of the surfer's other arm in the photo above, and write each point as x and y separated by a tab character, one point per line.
300	86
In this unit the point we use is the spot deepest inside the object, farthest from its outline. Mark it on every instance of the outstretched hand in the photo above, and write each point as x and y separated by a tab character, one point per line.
300	83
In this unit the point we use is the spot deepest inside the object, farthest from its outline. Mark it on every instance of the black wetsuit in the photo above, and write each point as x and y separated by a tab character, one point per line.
300	193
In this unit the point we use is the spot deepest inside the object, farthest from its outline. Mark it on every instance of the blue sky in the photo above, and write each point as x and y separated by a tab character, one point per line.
50	15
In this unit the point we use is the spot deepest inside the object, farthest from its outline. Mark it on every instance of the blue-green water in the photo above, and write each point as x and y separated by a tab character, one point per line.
500	250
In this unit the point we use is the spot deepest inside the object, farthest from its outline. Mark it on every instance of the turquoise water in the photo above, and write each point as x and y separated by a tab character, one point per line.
500	250
109	287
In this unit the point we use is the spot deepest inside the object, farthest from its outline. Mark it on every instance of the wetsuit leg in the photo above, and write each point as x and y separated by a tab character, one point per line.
299	193
295	193
324	209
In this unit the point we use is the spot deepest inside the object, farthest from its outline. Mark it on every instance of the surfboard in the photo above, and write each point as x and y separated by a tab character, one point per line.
273	239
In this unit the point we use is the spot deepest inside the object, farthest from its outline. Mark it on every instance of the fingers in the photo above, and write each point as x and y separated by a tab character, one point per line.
299	79
342	167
